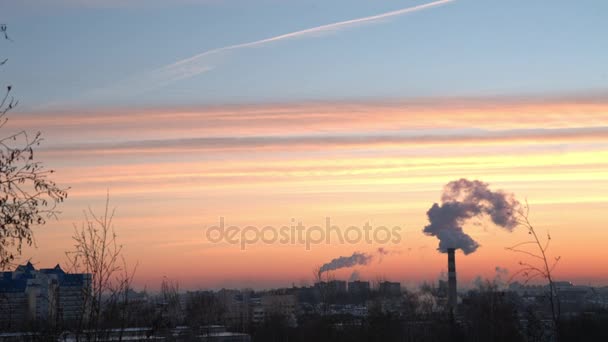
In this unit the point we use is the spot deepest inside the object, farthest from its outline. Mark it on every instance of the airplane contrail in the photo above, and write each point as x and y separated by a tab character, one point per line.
195	65
204	61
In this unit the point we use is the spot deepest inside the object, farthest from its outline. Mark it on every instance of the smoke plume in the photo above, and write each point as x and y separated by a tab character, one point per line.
346	261
358	258
462	200
500	279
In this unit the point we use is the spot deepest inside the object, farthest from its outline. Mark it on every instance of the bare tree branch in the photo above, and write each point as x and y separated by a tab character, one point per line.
28	197
97	251
531	271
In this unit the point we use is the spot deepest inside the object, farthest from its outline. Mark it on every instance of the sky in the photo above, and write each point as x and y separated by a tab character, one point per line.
271	112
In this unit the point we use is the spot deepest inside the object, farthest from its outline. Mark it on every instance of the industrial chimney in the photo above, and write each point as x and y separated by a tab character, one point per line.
452	278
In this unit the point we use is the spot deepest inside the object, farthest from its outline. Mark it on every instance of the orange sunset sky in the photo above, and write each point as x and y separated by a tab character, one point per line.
379	162
271	112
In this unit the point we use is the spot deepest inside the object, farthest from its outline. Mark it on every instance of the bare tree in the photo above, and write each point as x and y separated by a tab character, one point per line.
97	252
28	196
204	308
171	308
119	312
427	300
539	264
8	102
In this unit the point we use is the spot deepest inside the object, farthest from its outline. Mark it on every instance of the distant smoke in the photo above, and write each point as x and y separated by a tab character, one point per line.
500	279
381	251
479	283
354	276
356	259
464	199
346	261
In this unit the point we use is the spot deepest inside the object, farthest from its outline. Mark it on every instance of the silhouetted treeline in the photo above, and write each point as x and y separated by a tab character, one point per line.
484	314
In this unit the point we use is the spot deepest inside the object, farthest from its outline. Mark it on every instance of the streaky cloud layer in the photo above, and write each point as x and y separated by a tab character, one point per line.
589	134
337	118
172	171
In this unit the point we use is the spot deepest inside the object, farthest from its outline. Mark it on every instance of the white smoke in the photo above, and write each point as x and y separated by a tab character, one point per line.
464	199
346	261
356	259
500	280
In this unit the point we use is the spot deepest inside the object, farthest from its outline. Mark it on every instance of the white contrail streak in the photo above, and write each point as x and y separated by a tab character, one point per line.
204	62
195	65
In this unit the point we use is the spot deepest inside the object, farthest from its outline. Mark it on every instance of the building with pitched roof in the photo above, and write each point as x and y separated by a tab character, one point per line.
51	294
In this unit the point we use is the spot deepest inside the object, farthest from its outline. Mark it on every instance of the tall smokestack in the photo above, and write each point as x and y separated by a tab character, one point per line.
452	278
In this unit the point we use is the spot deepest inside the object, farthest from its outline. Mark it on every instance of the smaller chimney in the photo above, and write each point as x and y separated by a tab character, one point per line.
452	293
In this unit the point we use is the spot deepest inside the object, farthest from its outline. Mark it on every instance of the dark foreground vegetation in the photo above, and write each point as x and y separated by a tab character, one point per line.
484	314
